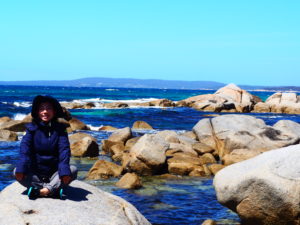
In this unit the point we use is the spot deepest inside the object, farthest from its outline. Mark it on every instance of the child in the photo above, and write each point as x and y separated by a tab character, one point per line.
45	151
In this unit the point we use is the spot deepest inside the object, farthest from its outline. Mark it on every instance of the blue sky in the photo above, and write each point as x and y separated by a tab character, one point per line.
242	42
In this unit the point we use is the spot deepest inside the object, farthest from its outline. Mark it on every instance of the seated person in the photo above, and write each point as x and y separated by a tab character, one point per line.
44	166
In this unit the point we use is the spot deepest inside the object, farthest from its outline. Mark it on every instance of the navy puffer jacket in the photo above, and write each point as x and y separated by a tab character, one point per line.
45	149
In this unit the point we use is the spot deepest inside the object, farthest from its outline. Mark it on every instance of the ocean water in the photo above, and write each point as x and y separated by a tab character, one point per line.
184	200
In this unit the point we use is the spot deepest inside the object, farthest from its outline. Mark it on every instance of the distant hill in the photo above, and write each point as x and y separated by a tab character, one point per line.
122	83
143	83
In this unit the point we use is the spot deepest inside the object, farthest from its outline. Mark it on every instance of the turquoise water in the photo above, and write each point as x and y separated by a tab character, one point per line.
180	201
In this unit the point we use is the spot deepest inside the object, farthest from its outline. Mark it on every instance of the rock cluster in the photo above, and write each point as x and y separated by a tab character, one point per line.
280	103
230	98
239	137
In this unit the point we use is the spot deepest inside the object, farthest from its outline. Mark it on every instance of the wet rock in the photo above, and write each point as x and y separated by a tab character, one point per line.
103	170
209	222
76	124
141	125
109	128
85	204
120	135
263	189
129	181
115	105
86	147
6	135
162	103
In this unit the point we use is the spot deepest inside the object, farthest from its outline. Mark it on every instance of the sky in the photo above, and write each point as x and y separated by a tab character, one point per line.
253	42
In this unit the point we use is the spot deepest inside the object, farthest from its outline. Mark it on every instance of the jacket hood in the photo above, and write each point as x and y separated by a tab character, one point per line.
46	98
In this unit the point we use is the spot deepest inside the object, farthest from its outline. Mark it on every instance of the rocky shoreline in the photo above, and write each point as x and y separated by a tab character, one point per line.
227	146
230	98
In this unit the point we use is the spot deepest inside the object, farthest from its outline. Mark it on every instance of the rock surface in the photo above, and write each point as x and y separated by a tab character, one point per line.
265	189
85	204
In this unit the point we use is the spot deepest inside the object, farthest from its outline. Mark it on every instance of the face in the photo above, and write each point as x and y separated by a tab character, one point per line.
46	112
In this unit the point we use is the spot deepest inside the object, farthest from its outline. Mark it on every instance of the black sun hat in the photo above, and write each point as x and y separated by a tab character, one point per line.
46	98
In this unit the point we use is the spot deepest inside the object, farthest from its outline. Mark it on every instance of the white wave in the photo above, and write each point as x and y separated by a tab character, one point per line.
19	116
22	104
111	89
101	101
139	100
94	128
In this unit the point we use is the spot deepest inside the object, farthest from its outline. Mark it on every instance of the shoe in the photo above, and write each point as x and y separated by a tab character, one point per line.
61	194
33	193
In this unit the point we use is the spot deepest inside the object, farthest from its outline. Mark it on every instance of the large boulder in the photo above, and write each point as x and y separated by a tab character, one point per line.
85	204
230	98
13	125
280	102
148	151
265	189
230	132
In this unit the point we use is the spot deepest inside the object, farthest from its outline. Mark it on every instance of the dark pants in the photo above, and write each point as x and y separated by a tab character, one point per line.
52	183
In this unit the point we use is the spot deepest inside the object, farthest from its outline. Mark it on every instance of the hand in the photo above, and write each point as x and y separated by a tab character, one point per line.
20	176
66	179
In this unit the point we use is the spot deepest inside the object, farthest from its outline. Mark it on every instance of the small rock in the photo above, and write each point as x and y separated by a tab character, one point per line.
209	222
141	125
104	169
120	135
109	128
76	124
6	135
129	181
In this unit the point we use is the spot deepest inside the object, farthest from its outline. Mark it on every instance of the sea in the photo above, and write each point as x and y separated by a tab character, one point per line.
184	200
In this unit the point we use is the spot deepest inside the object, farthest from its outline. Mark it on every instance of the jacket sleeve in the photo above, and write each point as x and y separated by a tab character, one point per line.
25	153
64	155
